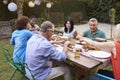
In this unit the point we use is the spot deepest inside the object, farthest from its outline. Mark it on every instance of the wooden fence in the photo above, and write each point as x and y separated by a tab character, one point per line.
5	29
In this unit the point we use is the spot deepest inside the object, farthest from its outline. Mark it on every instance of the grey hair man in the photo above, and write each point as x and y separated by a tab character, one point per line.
113	47
39	52
94	32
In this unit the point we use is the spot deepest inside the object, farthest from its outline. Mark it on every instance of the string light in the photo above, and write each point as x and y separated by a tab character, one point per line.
5	1
37	2
12	6
48	5
31	4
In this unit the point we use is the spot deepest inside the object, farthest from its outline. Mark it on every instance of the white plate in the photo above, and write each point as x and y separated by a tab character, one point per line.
64	37
78	42
77	46
100	54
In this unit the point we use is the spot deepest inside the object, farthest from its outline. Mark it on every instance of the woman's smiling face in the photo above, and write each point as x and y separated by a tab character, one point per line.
68	25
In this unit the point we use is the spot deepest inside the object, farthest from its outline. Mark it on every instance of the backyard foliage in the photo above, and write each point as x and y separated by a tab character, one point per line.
87	8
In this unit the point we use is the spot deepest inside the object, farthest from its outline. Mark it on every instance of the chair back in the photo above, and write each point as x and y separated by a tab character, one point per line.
103	77
6	53
20	67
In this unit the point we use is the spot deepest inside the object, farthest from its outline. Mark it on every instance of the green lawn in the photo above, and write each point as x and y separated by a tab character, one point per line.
6	70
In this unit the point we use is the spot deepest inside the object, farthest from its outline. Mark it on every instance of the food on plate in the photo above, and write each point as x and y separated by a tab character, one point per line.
64	38
55	37
82	42
101	40
92	48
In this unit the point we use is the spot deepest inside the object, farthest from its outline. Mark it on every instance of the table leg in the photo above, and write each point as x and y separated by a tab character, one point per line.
81	74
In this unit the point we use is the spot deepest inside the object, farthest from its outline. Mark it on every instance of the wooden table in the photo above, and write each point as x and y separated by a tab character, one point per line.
84	65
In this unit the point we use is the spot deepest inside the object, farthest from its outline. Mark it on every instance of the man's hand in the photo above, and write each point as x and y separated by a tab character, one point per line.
66	47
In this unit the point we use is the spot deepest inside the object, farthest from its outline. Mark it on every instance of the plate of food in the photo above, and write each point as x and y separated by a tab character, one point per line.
64	37
100	54
101	39
78	42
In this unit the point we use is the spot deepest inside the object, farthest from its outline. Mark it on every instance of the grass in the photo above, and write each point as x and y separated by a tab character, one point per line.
6	70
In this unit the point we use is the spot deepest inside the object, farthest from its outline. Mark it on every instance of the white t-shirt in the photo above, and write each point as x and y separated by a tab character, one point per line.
71	34
36	28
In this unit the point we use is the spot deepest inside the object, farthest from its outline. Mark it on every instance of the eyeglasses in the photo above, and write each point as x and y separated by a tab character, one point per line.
93	25
51	30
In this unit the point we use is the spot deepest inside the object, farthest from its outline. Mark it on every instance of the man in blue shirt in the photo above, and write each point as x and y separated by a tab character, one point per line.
93	32
39	52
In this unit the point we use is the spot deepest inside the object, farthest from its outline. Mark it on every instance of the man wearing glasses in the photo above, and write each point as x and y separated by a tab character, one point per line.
40	51
94	32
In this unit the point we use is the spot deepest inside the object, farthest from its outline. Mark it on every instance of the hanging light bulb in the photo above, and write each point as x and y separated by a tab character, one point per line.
37	2
5	1
12	7
31	4
48	5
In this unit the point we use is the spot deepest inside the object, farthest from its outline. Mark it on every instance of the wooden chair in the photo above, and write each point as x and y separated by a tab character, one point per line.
17	67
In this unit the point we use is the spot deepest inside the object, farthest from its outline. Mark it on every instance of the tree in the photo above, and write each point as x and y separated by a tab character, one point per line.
20	5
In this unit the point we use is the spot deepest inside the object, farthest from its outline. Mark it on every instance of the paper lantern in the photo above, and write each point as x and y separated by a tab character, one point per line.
37	2
5	1
31	4
12	7
48	5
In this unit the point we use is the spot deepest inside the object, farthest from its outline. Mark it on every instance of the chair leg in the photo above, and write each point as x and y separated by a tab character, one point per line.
13	74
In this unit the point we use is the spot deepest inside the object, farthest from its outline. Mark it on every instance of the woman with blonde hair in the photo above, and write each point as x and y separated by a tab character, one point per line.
112	47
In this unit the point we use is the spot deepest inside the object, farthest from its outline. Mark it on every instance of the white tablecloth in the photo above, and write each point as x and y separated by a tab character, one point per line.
105	61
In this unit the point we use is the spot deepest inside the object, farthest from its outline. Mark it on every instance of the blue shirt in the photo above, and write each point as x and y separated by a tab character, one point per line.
39	51
19	40
97	34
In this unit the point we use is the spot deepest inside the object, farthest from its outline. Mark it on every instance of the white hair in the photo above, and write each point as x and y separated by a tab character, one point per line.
46	25
93	20
117	33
